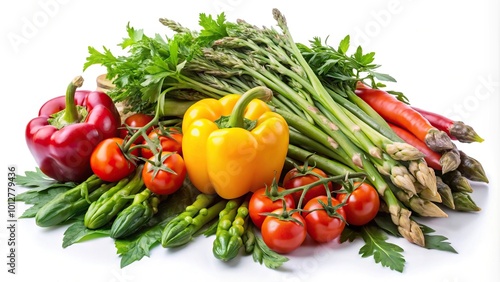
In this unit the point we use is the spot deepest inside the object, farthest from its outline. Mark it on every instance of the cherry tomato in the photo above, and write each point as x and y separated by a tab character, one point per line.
362	205
172	142
169	176
295	178
284	235
136	120
320	225
259	203
108	161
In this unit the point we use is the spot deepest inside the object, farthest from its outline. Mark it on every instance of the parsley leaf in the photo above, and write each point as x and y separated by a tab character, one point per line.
264	255
399	95
384	221
135	249
436	242
349	234
38	181
213	29
42	189
78	232
385	253
38	199
344	44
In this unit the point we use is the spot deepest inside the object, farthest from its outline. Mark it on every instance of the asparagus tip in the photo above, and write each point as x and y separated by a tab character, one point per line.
449	161
438	140
376	152
403	151
414	234
428	209
464	133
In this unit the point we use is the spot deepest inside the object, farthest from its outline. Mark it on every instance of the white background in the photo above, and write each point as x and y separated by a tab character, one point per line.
444	54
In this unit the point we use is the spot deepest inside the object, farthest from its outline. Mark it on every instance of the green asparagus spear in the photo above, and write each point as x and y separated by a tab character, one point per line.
71	203
181	229
248	238
471	168
231	227
464	202
445	192
133	217
113	201
457	182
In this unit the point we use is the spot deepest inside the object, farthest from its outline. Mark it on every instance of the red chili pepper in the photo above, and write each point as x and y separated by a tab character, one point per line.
68	128
457	130
401	114
432	158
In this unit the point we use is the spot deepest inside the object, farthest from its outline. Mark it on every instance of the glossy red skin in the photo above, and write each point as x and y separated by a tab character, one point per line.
64	154
136	120
395	111
109	163
293	179
172	143
322	227
362	205
165	183
259	203
284	236
439	121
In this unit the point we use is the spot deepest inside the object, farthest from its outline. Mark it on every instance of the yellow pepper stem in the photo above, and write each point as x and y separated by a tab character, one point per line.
260	92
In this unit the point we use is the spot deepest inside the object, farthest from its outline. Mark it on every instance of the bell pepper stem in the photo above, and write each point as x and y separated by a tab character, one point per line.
71	113
260	92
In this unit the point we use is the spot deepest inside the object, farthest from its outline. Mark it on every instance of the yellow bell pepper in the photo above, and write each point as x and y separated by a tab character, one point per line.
234	145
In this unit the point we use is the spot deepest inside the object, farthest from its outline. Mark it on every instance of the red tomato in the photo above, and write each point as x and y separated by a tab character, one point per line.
108	161
294	178
320	225
362	205
284	235
169	176
136	121
172	142
259	203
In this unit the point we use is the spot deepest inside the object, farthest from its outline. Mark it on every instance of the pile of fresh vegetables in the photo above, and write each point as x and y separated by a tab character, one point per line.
238	132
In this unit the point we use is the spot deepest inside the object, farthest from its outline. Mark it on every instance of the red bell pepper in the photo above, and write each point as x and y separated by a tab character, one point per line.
68	128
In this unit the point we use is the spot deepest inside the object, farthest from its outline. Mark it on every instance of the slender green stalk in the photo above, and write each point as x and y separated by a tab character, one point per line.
386	129
329	166
301	140
316	134
364	143
397	150
380	126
